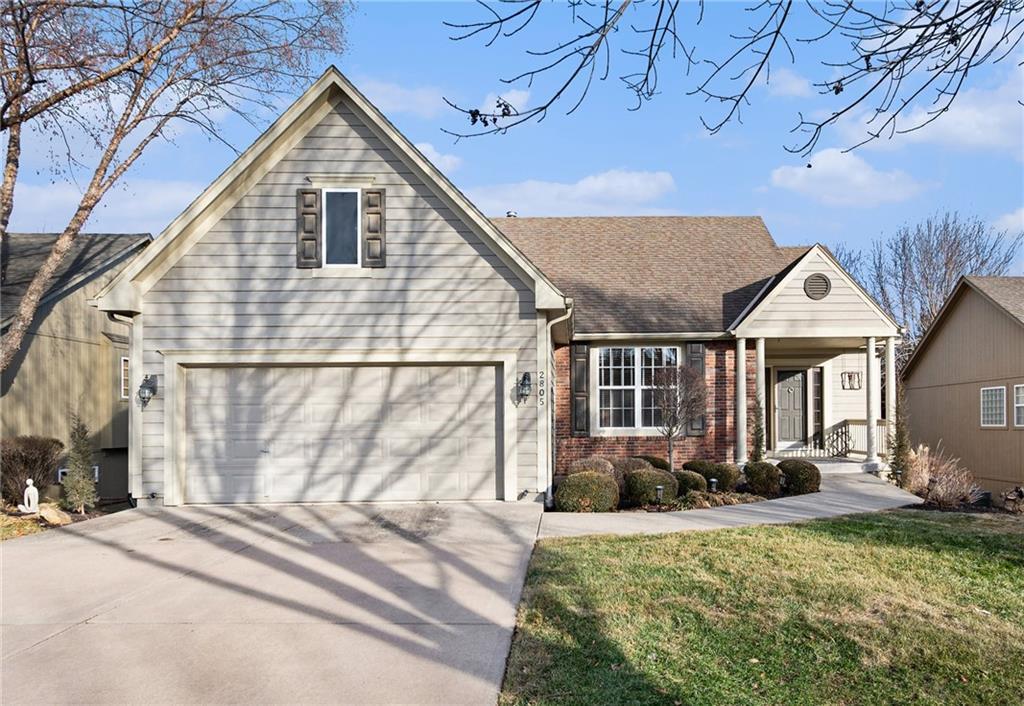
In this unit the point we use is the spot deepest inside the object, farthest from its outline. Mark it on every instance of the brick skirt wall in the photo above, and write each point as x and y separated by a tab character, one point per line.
716	443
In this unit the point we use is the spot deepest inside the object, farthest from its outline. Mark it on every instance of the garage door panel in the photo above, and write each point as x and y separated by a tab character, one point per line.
342	433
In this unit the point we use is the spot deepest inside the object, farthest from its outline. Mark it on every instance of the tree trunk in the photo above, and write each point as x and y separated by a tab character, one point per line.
671	444
11	164
40	282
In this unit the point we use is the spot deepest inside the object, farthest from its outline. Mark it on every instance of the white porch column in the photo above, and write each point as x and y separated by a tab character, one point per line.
741	400
871	396
890	382
759	387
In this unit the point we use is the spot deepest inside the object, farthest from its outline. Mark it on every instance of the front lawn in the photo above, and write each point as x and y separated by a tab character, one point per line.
906	606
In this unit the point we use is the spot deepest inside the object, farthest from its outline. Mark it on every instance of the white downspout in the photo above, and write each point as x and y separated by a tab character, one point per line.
548	499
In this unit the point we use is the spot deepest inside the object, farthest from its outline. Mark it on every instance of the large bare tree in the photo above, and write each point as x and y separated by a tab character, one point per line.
879	58
103	79
913	271
679	398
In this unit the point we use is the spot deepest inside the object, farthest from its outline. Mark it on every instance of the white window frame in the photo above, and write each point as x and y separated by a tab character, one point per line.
1016	406
981	409
595	389
124	373
359	227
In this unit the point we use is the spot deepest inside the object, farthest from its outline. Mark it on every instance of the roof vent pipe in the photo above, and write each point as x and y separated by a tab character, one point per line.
511	214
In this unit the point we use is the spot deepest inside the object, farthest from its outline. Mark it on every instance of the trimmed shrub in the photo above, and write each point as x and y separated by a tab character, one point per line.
656	461
801	476
763	479
641	487
690	480
25	457
727	474
699	466
596	464
626	465
587	491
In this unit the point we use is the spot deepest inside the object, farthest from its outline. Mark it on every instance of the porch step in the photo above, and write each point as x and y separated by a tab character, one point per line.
833	465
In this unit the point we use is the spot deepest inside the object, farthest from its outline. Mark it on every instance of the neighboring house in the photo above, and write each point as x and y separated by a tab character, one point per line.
332	320
74	358
965	382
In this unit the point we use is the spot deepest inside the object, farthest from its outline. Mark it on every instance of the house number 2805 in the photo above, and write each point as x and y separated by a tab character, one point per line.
541	388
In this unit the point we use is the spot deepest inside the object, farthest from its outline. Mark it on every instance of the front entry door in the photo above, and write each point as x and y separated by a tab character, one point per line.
790	391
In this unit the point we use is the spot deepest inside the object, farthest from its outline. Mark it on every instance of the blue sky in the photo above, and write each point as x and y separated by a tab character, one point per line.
606	159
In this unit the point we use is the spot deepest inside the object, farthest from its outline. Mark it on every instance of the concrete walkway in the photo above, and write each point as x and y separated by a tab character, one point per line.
841	494
361	604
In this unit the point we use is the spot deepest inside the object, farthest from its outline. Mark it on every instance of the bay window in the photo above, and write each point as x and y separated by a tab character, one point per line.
625	385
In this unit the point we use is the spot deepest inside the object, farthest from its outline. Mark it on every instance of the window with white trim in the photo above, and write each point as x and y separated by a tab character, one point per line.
1018	405
341	224
126	382
993	406
625	384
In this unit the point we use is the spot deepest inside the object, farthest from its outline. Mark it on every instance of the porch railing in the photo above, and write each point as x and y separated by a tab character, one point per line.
858	434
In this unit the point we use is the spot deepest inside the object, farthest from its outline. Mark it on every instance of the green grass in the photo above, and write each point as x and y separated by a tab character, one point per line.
899	607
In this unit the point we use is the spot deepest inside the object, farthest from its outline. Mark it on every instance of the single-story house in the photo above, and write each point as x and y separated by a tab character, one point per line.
333	320
964	384
74	358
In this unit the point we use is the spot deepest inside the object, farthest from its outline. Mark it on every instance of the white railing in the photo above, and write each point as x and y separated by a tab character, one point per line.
858	435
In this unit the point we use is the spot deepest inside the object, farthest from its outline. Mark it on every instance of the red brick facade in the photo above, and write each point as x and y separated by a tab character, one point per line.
716	443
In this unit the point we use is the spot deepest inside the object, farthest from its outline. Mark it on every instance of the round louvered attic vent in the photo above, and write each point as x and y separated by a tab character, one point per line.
817	286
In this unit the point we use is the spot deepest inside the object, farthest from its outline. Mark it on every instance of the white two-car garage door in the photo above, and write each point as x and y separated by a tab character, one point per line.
309	434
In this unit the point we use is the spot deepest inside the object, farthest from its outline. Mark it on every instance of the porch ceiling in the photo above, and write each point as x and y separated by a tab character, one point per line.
791	345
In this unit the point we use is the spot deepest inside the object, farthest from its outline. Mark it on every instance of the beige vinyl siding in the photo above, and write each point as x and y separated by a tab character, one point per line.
944	389
237	288
790	312
851	404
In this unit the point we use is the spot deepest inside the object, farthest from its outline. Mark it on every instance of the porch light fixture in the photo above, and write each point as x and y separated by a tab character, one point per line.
524	387
147	390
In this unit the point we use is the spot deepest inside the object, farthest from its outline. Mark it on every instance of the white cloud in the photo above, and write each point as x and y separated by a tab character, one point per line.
980	118
1012	222
840	179
141	205
784	82
447	163
614	192
391	98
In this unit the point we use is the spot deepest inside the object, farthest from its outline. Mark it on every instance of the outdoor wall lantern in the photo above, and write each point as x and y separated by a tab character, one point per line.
147	390
523	387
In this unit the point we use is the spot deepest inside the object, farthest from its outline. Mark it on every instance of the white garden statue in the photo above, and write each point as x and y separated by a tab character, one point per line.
31	506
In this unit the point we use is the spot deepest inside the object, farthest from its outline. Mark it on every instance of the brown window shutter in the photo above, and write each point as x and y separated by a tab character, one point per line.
579	384
374	239
695	360
307	232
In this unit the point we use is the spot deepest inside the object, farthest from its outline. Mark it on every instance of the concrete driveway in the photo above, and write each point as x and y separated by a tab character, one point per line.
289	603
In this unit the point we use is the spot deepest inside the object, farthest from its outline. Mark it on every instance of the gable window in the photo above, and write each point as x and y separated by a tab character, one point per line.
993	406
341	227
126	383
1018	405
625	385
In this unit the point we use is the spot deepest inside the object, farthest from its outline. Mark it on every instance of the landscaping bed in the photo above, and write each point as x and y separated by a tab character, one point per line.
896	607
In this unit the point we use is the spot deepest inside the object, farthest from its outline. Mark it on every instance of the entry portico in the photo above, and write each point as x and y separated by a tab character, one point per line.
819	346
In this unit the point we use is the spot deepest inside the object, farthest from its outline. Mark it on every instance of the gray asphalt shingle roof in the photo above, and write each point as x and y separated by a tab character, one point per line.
91	254
1007	292
653	274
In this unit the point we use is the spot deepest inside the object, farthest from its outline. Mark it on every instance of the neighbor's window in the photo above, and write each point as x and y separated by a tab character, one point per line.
1018	405
625	381
993	406
126	382
341	226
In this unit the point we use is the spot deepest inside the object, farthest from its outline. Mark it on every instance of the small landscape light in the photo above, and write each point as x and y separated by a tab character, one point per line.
659	491
714	485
